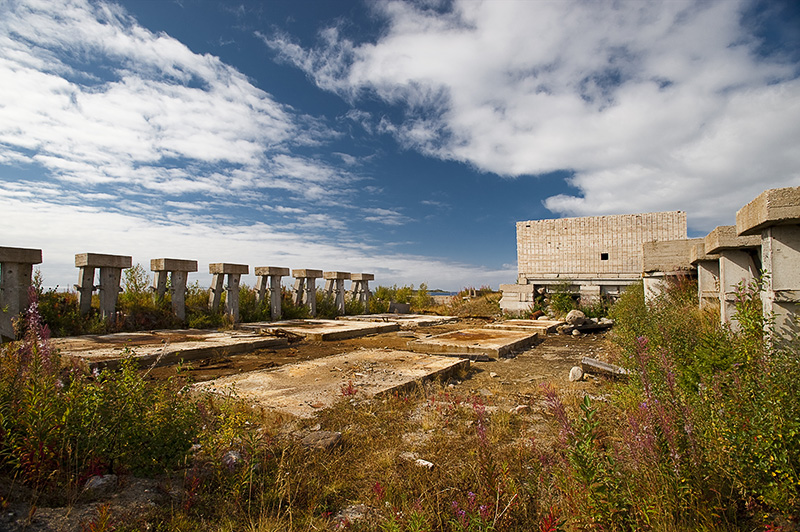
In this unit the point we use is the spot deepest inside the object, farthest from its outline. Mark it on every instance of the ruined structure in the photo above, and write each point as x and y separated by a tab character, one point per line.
305	288
177	272
594	256
234	273
269	279
665	260
334	286
110	267
16	268
774	218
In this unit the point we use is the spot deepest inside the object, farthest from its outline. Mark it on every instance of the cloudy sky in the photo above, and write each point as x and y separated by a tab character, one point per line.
395	137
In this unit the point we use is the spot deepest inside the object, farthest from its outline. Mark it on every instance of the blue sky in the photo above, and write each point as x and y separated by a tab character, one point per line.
398	138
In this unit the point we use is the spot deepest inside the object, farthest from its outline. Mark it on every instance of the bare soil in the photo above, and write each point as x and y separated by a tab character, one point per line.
505	383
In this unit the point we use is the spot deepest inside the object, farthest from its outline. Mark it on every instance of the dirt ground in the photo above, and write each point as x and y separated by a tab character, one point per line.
504	383
506	380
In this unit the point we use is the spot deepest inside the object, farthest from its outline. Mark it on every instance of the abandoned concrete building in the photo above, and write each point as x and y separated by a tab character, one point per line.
592	256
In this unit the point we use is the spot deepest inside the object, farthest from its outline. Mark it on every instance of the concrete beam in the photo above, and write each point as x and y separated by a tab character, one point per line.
99	260
777	206
173	265
668	255
725	237
20	255
227	269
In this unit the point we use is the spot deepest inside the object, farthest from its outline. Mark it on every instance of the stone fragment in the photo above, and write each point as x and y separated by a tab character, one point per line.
576	332
324	440
575	374
575	317
101	485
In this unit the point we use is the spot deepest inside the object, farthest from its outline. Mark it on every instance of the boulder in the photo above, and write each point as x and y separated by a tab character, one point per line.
101	485
575	374
575	317
322	440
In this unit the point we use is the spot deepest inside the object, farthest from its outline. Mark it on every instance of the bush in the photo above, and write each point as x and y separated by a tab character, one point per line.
58	426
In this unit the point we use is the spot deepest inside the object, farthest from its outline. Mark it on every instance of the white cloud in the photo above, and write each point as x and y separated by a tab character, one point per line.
56	229
651	105
93	98
386	217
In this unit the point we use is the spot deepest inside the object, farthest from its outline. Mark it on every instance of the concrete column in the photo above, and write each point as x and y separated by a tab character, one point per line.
780	249
707	276
305	288
775	216
16	268
177	270
234	273
269	280
110	267
360	288
739	262
334	285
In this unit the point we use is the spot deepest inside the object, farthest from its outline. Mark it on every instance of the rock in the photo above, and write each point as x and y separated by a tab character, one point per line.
493	375
606	321
543	318
350	514
101	485
323	439
575	317
576	332
575	374
419	462
565	329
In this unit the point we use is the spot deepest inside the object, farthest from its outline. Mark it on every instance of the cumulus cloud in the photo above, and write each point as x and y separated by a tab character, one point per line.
95	99
650	105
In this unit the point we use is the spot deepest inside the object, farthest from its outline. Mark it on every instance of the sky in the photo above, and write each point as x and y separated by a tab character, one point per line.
400	138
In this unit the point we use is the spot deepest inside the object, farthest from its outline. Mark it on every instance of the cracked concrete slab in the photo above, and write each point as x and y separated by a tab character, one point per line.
406	321
490	342
161	348
540	326
303	388
322	330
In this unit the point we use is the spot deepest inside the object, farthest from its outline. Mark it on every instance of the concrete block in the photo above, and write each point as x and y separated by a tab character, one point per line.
668	255
698	253
98	260
173	265
336	275
777	206
517	288
271	270
362	277
225	268
308	274
21	255
725	237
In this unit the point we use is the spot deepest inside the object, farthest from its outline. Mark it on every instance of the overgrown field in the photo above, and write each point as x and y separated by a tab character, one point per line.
705	435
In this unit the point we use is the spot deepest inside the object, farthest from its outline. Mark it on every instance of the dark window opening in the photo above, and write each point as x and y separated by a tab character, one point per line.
604	256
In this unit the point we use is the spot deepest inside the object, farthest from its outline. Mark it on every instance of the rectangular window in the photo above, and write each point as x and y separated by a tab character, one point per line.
604	256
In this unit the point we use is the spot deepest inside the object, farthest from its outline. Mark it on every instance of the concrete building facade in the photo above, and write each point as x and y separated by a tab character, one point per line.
596	255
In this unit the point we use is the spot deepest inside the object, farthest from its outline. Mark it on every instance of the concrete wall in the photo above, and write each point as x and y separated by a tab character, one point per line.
590	247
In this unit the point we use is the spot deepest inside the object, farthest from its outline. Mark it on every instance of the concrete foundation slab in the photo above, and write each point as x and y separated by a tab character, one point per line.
491	342
304	388
537	326
161	348
321	330
406	321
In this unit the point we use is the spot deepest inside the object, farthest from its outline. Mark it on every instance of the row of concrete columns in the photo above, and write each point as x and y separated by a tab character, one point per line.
16	267
764	244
